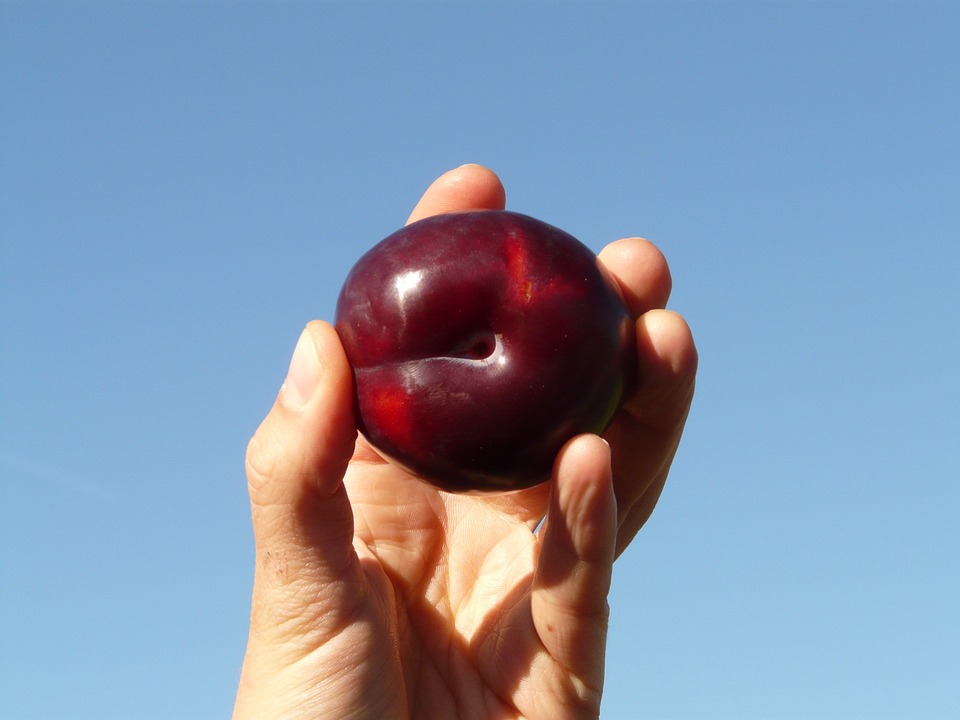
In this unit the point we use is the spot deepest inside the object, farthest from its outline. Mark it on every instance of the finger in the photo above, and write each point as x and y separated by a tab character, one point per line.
468	187
641	271
302	521
572	580
645	434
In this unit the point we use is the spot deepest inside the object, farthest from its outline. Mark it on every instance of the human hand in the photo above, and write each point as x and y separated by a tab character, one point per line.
378	596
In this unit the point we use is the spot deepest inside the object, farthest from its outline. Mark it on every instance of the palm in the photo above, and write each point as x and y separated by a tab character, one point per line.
460	571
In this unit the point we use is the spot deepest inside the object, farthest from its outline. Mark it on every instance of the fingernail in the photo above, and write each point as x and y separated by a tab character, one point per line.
303	375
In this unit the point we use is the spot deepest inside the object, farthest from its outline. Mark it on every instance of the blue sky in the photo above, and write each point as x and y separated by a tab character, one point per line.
184	185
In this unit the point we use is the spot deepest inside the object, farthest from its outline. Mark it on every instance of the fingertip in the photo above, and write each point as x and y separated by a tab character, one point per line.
467	187
583	456
581	521
476	185
641	271
668	361
665	337
584	479
303	374
479	178
307	437
320	381
331	421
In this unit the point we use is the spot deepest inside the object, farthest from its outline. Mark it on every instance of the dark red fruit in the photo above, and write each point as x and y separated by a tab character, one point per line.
480	343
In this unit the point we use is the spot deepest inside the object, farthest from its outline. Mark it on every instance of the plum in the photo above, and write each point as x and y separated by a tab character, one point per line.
480	342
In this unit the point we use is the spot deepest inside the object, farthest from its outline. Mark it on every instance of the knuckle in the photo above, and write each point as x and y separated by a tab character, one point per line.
262	464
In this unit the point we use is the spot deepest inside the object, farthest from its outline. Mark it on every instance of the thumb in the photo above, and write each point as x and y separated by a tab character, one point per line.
302	520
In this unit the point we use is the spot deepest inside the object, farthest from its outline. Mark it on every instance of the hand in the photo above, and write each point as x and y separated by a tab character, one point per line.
377	596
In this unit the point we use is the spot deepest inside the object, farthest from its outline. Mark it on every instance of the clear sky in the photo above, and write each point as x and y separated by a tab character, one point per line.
183	186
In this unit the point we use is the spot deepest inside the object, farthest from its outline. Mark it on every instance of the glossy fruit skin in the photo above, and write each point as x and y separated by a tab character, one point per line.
480	343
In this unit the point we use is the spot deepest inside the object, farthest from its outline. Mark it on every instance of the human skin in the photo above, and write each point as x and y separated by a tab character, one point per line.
378	596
